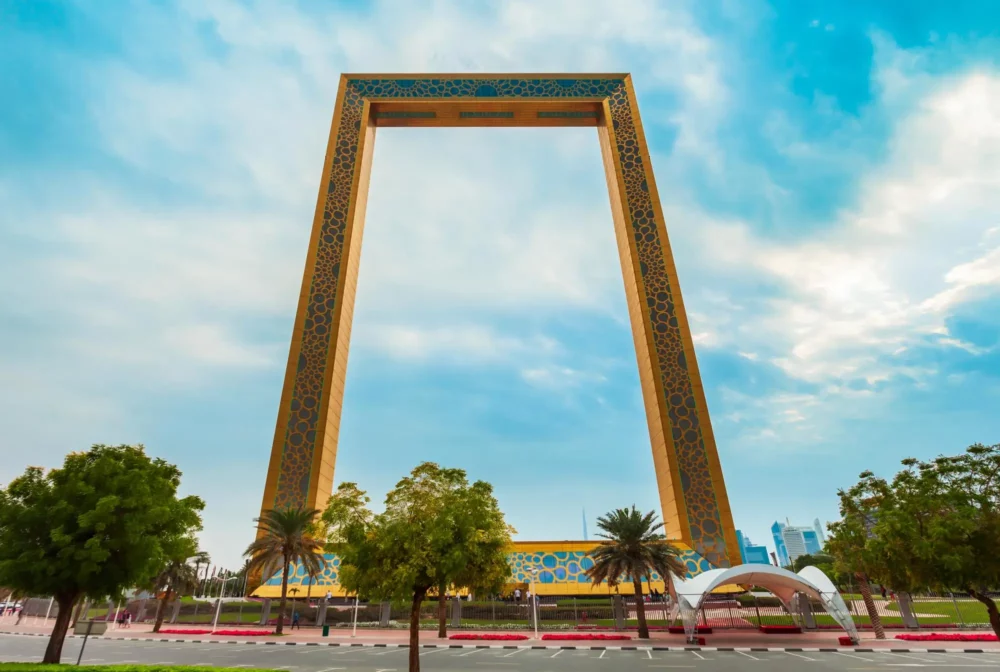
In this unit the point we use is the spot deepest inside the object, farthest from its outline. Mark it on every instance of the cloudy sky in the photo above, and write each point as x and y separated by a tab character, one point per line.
830	175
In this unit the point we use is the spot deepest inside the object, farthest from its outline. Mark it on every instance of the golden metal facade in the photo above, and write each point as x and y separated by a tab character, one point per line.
691	487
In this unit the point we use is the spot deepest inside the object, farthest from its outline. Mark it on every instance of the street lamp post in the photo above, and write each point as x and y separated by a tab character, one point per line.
534	600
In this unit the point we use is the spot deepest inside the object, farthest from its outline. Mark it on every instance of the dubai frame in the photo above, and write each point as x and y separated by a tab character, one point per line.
691	487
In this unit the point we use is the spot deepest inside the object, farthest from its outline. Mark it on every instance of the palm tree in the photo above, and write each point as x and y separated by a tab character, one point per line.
201	558
633	549
176	576
286	538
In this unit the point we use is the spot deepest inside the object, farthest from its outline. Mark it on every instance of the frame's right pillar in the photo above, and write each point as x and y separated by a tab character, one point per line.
692	490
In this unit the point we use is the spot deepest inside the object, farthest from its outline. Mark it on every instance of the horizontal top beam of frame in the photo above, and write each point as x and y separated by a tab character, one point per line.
486	112
488	75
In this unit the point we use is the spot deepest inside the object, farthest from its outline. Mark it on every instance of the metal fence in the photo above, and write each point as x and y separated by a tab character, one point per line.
747	611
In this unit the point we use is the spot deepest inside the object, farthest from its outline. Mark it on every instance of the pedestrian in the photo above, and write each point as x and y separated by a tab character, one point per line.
883	591
517	595
295	620
128	619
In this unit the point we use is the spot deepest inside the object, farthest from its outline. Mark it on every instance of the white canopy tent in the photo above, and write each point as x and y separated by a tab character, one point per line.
689	594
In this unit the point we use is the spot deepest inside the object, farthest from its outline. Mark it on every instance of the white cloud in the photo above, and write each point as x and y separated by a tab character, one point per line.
462	343
894	267
561	377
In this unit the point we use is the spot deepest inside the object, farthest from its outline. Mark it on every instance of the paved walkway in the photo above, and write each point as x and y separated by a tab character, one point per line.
748	640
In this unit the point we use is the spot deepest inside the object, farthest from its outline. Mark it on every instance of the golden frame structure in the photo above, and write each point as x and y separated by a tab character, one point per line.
689	477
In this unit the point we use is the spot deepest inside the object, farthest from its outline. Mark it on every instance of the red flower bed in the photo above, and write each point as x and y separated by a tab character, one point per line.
781	629
652	628
589	637
231	633
491	636
949	637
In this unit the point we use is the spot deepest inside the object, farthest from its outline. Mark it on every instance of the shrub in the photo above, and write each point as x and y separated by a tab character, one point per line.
490	636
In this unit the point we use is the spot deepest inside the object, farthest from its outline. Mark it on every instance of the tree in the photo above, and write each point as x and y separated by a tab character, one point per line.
436	531
176	576
935	525
288	536
633	549
98	525
202	558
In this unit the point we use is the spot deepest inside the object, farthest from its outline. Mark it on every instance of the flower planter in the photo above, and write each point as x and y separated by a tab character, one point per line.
489	636
679	630
230	633
949	637
781	629
589	637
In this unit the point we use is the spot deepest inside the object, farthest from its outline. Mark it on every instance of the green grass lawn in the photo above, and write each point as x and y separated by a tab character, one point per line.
967	611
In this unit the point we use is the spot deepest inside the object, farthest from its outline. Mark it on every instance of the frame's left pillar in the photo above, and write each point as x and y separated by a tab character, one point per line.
300	472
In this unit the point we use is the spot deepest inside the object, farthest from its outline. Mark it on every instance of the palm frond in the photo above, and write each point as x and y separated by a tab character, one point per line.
633	547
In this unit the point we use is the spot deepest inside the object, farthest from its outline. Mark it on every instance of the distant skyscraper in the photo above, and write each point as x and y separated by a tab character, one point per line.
791	542
779	543
811	541
795	543
749	553
819	533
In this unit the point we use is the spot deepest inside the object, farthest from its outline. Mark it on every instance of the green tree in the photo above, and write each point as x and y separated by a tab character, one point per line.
850	538
633	548
436	531
176	576
936	524
287	537
98	525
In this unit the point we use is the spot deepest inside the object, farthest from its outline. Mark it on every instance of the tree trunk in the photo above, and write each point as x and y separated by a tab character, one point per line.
418	599
281	605
991	608
442	613
866	595
161	610
78	610
640	609
53	652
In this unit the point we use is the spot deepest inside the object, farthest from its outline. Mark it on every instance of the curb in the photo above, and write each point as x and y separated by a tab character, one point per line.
741	649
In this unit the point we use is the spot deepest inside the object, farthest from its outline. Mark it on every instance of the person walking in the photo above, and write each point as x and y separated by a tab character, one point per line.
295	620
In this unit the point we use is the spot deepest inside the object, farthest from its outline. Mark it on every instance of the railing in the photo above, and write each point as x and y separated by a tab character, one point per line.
747	611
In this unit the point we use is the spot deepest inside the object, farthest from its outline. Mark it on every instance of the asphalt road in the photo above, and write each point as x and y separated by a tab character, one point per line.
356	659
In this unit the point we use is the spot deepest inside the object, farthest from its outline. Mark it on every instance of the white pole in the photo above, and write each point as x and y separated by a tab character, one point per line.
218	608
354	631
534	601
118	608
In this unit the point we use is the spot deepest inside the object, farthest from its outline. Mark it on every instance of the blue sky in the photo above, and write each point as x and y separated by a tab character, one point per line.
830	174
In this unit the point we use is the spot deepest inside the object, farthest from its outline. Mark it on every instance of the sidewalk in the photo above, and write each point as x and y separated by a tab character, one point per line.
731	639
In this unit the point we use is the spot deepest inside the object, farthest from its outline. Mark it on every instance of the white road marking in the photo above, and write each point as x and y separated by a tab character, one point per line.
799	655
867	660
429	652
556	653
699	655
469	653
513	652
602	653
922	660
747	655
649	654
331	669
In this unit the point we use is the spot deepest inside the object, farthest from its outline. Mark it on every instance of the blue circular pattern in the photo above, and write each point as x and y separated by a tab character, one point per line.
554	568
